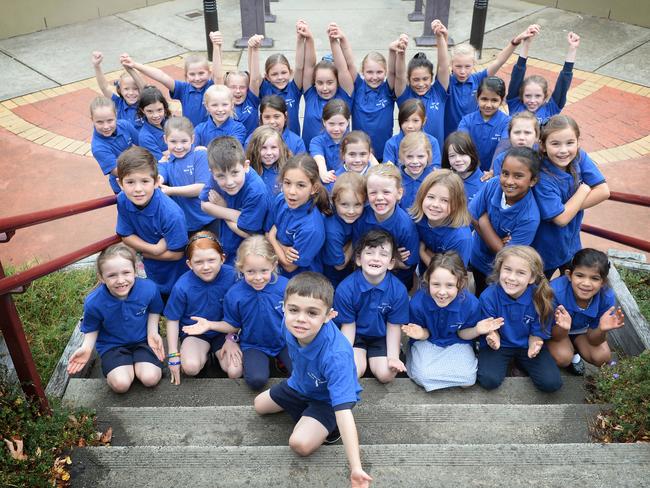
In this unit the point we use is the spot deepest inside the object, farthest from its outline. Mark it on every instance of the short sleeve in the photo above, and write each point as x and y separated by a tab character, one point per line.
253	212
488	303
180	89
124	226
549	199
176	304
341	379
106	158
472	311
343	304
308	241
416	311
335	240
175	228
589	172
479	204
92	318
201	169
231	313
390	154
316	147
156	304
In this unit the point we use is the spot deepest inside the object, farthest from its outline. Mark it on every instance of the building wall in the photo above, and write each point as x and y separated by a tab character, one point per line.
635	12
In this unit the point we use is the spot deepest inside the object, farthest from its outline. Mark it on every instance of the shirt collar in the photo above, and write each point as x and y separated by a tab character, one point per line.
364	285
525	299
151	208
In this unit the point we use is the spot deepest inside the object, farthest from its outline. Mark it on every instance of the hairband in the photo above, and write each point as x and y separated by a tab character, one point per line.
203	236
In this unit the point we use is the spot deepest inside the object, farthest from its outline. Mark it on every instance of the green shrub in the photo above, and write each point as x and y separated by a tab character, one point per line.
638	282
626	386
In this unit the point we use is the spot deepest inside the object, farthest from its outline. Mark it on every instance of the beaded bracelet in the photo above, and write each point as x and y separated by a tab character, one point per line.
175	363
174	355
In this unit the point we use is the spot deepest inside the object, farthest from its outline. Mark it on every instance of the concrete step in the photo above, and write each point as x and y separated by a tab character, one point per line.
377	424
408	465
206	392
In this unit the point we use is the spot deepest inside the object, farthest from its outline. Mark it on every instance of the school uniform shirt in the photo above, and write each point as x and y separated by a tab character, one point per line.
291	94
519	221
106	150
441	239
252	200
343	169
555	187
152	139
188	170
462	99
324	145
127	112
324	369
486	134
208	130
443	323
258	314
582	319
160	218
520	317
303	229
312	124
337	234
497	160
372	112
371	307
270	177
120	322
193	297
391	149
473	184
434	101
191	100
411	186
247	112
554	105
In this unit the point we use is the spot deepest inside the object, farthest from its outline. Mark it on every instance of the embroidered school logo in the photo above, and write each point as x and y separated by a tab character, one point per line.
189	170
381	103
528	320
289	102
247	109
280	306
141	312
317	380
434	105
384	308
290	233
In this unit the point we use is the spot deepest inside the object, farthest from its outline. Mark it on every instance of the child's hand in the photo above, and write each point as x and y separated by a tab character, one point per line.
231	352
328	177
506	239
334	31
529	33
414	331
534	346
612	319
487	175
404	254
359	478
200	327
216	199
216	38
291	254
78	360
156	344
175	372
493	340
562	318
302	28
394	364
165	157
160	247
97	58
126	61
255	42
439	29
488	325
573	40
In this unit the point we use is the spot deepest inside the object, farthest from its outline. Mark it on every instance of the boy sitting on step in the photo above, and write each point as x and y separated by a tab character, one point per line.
323	386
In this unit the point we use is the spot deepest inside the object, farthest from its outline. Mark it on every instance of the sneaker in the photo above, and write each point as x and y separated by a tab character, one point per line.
333	437
578	368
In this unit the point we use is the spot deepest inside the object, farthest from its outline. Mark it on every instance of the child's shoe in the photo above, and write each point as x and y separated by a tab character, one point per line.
333	437
578	368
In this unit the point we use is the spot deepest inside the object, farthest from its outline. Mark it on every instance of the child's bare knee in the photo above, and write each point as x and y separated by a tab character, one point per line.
150	378
385	376
192	366
120	384
300	446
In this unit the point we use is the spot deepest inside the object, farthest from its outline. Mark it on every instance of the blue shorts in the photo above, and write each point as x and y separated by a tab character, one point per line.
216	341
127	356
374	346
298	406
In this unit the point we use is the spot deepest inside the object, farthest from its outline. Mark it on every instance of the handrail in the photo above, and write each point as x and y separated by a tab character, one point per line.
630	198
610	235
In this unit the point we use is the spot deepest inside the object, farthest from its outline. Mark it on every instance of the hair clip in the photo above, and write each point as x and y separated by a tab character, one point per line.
328	57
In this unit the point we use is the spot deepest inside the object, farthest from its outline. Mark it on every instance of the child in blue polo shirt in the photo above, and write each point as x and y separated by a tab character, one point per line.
460	155
323	387
523	131
569	183
110	137
504	212
268	154
296	225
356	156
196	299
274	114
185	173
121	321
236	195
411	118
522	297
587	304
127	90
325	148
415	163
372	305
154	109
441	217
148	220
440	314
218	101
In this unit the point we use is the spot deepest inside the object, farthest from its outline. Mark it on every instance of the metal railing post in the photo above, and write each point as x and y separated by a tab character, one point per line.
478	25
434	9
211	18
416	15
252	22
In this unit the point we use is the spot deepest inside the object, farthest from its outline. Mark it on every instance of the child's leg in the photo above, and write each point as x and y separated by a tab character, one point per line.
194	354
360	361
149	374
380	370
596	355
492	366
256	368
561	350
541	369
307	436
220	347
264	404
121	378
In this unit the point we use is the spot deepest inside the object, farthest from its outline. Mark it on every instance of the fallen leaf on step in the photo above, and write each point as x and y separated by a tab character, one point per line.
106	437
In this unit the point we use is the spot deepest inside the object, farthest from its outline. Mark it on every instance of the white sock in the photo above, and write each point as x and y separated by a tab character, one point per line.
576	359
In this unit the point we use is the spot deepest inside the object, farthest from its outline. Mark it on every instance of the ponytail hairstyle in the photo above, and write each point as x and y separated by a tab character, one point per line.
525	115
308	166
543	296
493	84
450	261
276	102
150	94
256	245
376	57
555	124
274	59
204	239
259	137
99	102
528	158
420	60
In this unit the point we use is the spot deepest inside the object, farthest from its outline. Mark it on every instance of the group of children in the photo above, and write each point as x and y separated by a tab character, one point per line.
321	251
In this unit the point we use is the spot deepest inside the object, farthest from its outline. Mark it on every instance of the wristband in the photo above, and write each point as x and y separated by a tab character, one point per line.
512	41
232	338
174	355
175	363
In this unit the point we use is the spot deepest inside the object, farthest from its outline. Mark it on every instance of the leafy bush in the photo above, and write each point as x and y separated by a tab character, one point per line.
638	282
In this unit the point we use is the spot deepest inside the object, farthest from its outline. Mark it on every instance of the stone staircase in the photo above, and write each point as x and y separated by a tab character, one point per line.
206	433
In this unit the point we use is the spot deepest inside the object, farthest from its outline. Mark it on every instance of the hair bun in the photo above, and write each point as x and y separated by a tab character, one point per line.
420	55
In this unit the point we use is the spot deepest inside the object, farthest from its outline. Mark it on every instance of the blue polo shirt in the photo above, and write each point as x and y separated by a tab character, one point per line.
120	322
160	218
434	102
411	186
270	176
312	124
191	100
442	238
252	200
520	317
188	170
303	229
485	134
208	130
152	138
555	187
106	150
372	112
337	234
519	221
258	314
391	149
343	169
473	184
247	112
291	139
291	94
193	297
127	112
462	99
371	307
582	319
324	369
324	145
497	160
443	323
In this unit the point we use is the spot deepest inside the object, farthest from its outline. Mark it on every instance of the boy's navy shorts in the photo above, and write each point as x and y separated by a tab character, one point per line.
374	346
127	356
216	341
297	406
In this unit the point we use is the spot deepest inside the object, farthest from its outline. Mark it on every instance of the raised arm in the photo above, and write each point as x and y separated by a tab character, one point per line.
348	54
217	64
155	74
565	77
127	64
102	82
519	69
507	51
299	67
310	56
254	44
344	77
441	34
401	80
